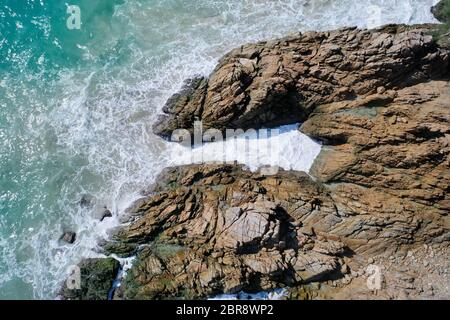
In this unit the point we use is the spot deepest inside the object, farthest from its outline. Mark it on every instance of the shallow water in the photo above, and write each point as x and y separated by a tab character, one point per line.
76	108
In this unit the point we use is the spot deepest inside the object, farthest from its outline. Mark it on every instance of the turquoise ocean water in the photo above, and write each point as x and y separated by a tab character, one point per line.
76	107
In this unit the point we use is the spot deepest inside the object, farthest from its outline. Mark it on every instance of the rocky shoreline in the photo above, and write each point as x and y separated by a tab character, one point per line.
376	201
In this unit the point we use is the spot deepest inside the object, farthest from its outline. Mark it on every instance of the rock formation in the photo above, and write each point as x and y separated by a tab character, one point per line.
379	100
397	147
209	229
282	81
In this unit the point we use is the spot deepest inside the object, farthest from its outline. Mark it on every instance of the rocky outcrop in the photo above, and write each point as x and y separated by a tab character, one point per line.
390	160
68	237
210	229
379	100
283	81
395	143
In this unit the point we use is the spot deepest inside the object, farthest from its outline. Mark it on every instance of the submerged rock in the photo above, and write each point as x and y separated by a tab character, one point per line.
69	237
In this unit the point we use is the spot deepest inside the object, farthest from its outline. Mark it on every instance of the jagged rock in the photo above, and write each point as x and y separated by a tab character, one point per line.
282	81
87	201
233	230
105	214
237	230
97	277
378	99
389	161
441	33
183	108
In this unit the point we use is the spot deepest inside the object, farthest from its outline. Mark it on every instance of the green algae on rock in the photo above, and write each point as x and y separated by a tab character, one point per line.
442	11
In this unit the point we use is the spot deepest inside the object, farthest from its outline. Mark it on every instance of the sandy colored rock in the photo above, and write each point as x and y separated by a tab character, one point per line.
397	168
380	102
226	229
442	10
282	81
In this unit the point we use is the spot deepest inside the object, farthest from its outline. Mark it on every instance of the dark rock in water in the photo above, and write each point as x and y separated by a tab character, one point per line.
106	214
197	246
442	32
86	201
177	113
96	280
69	237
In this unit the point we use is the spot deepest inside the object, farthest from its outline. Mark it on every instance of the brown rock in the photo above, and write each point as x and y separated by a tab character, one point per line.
237	233
280	82
395	172
378	99
442	10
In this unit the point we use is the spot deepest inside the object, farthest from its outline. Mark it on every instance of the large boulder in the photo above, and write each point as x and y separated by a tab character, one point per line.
281	82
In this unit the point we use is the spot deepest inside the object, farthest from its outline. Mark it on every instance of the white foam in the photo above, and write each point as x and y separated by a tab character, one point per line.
288	148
